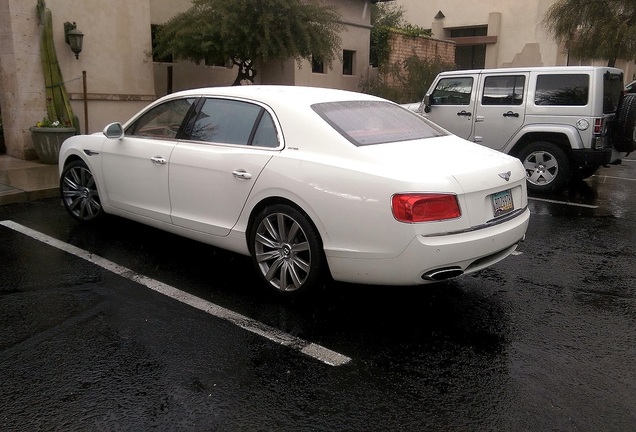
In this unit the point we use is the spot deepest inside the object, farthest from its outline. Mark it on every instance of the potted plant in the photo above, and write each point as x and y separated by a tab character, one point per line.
48	136
60	123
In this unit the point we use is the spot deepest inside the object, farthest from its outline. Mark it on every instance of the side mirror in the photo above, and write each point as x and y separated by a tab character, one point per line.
114	131
427	104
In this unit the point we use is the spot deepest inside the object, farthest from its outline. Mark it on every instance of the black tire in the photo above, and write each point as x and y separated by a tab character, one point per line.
623	133
286	250
547	166
79	192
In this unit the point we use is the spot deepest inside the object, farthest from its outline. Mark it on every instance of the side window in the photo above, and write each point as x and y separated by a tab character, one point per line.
162	121
265	134
225	121
503	90
563	90
452	91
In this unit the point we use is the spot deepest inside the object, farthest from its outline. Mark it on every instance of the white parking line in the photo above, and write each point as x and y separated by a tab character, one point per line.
316	351
564	202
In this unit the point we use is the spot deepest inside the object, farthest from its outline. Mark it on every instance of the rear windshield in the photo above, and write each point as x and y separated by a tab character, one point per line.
375	122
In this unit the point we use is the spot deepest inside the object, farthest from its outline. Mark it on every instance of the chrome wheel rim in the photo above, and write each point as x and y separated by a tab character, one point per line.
282	252
541	168
79	193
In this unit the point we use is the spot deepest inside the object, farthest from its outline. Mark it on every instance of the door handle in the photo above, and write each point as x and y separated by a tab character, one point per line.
158	160
464	113
242	174
510	114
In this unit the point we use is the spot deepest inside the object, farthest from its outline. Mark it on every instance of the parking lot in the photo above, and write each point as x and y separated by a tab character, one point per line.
123	327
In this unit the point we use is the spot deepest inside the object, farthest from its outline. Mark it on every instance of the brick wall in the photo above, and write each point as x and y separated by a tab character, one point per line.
403	47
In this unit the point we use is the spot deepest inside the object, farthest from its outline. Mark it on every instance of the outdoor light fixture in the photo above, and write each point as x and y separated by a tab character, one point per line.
73	37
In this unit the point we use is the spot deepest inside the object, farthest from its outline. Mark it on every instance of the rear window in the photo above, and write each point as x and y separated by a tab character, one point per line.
375	122
612	89
562	90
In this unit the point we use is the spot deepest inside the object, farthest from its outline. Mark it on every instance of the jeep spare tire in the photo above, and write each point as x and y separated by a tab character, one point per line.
546	165
623	133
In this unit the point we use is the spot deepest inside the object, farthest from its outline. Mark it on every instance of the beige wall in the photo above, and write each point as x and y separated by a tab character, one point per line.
121	77
21	79
522	40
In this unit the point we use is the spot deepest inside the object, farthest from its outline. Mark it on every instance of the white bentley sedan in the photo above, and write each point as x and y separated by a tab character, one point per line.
310	182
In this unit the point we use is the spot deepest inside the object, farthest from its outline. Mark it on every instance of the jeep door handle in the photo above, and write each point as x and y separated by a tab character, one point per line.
464	113
510	114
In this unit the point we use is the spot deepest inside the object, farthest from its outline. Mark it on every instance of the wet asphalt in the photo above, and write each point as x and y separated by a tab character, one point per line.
544	340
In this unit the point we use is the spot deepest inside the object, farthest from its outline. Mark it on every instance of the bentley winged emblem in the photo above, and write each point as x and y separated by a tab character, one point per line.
505	175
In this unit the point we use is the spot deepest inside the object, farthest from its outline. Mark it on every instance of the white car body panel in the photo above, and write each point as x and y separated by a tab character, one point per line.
344	190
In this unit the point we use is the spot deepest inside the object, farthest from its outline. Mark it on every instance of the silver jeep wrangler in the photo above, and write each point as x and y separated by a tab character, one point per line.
561	122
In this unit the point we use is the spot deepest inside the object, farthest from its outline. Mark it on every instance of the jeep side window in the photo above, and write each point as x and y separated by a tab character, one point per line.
452	91
563	90
503	90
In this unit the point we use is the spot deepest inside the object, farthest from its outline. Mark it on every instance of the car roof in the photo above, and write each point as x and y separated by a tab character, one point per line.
277	94
543	69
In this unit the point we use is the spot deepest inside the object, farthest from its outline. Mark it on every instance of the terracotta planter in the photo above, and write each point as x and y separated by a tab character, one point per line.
47	142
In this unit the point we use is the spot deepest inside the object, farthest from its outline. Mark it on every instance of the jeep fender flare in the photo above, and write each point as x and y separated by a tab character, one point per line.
557	134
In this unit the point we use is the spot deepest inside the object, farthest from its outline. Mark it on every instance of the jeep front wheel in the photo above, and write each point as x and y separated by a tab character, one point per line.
546	165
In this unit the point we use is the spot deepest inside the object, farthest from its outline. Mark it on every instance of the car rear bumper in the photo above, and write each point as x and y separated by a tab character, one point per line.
432	259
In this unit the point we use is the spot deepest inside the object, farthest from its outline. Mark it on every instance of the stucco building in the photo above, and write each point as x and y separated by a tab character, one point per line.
121	76
495	33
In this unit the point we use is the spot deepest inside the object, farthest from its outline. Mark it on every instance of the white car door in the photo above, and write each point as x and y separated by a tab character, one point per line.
213	172
451	104
135	167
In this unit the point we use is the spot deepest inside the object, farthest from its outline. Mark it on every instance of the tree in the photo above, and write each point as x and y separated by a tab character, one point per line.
243	32
595	29
403	81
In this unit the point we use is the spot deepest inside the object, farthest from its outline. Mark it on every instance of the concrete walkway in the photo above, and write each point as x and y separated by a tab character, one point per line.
22	180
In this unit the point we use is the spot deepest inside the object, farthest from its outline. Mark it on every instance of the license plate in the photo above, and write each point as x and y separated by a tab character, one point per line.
502	203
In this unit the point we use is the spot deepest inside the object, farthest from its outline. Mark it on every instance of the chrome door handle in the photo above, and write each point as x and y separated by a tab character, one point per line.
241	174
158	160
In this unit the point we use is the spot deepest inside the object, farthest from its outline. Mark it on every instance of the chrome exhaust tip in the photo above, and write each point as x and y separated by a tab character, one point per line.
442	274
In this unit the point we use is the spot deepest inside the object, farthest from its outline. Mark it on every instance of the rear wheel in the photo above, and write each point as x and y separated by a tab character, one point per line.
286	250
547	167
79	192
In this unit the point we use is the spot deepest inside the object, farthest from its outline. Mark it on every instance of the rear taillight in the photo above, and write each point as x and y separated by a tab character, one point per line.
425	207
598	126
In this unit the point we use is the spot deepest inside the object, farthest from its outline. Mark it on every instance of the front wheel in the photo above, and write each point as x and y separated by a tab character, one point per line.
79	192
286	250
547	167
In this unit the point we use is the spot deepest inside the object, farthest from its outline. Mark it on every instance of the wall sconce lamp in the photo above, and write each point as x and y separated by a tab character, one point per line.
73	37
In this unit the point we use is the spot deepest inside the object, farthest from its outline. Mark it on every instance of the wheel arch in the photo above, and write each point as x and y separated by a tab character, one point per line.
560	139
275	200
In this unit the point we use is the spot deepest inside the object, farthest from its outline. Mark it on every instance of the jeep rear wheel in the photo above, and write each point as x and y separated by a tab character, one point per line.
547	167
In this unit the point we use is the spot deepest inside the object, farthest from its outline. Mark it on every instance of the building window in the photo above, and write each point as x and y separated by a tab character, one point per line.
154	28
348	62
470	56
317	66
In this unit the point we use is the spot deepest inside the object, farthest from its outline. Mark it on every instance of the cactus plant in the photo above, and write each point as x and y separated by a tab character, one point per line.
58	106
